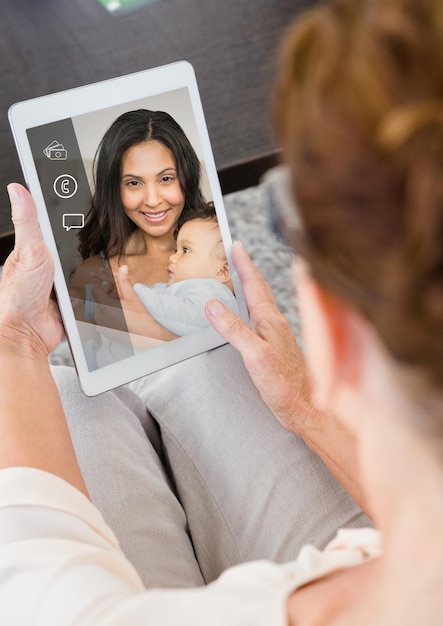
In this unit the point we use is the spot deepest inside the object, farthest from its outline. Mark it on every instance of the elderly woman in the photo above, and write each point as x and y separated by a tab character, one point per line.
358	105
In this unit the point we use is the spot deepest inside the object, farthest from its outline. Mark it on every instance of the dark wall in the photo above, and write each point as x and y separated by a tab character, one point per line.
51	45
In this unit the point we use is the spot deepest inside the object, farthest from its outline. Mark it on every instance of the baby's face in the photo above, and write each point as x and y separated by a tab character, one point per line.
198	252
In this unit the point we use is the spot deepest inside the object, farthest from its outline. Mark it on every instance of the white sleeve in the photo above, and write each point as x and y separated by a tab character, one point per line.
180	308
60	565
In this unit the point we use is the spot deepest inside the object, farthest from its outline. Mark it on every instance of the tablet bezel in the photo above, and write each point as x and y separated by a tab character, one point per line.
88	99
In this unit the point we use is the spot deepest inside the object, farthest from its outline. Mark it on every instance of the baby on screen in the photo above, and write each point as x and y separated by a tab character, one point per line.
198	271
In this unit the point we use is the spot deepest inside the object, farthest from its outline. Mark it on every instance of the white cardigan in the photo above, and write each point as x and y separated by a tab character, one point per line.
60	564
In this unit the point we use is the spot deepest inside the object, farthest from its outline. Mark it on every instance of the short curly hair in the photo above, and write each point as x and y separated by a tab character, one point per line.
359	110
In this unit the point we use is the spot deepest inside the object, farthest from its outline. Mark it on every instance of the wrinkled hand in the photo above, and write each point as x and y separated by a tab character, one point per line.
27	313
269	350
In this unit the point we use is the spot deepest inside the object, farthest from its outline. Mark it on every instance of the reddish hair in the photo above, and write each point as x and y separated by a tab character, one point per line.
359	111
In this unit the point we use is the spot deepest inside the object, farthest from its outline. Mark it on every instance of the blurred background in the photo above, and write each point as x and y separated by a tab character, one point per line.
52	45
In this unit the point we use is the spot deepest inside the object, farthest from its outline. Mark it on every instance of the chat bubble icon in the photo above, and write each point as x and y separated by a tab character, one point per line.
73	220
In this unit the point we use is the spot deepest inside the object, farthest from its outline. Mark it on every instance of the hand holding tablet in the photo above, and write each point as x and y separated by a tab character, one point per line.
117	169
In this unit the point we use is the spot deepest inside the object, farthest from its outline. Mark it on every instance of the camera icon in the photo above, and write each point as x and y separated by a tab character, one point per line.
56	151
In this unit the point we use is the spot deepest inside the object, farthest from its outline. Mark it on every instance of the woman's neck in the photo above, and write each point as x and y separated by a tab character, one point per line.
146	257
403	479
140	243
401	468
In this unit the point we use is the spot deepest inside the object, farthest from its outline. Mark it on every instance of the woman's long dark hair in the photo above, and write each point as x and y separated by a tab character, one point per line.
107	227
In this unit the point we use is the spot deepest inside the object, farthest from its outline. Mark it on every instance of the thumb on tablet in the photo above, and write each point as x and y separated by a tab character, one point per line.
231	326
24	218
27	279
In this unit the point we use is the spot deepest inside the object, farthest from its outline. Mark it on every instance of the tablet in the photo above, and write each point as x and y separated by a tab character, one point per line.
114	170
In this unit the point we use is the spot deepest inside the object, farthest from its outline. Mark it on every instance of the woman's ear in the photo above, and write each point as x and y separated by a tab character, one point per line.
331	338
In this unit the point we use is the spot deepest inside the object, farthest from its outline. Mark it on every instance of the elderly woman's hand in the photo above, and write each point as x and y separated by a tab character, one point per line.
29	318
281	374
270	351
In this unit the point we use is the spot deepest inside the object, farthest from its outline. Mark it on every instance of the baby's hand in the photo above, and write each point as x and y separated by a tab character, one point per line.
129	299
103	275
105	278
118	304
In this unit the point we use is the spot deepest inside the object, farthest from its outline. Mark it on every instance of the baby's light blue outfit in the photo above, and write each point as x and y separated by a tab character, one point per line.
180	307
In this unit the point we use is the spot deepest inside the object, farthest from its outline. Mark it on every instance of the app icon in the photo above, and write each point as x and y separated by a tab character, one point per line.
65	186
73	220
56	151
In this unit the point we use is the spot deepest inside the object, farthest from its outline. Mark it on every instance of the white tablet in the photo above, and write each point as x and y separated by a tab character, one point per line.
123	174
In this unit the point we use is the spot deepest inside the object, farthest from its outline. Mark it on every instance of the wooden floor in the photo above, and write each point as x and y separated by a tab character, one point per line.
51	45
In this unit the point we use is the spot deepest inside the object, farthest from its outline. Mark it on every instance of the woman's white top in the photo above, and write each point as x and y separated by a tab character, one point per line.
60	564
